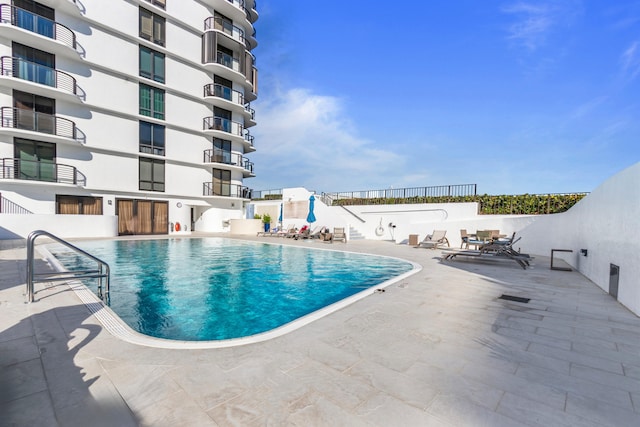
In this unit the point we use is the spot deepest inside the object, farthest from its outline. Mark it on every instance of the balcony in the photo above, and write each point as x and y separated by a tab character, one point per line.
216	123
37	31
235	101
248	138
24	121
43	171
219	24
225	189
228	61
219	91
37	79
250	11
228	158
234	9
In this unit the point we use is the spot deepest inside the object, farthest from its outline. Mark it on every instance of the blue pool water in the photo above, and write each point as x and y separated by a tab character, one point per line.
216	288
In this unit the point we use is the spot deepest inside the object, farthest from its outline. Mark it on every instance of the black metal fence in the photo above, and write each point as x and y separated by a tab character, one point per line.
398	195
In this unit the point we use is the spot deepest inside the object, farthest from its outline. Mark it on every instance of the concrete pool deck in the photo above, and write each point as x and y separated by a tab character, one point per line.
436	349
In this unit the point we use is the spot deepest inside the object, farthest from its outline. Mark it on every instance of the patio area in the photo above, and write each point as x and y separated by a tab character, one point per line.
440	348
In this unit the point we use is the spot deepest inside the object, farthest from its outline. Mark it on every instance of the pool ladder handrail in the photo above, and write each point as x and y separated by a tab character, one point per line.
98	273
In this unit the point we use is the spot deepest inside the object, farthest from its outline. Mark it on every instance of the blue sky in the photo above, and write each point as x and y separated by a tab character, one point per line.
515	96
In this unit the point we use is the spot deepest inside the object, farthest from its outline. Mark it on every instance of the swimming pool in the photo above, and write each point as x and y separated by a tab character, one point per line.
201	289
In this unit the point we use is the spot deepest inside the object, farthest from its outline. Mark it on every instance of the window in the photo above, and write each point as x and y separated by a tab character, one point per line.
35	160
221	182
223	88
223	23
151	174
78	205
225	56
34	65
152	27
221	151
152	138
33	112
34	16
151	64
222	119
151	101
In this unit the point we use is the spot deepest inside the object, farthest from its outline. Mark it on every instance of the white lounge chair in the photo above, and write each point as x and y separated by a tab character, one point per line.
437	238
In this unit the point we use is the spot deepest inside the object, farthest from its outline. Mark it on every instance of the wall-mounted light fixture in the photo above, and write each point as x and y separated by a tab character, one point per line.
109	202
583	252
179	205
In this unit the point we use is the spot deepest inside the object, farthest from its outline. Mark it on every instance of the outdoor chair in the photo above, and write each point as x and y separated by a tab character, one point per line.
481	238
339	234
307	234
434	240
465	237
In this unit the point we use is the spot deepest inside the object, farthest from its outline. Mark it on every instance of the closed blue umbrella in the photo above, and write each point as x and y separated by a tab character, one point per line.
280	217
311	217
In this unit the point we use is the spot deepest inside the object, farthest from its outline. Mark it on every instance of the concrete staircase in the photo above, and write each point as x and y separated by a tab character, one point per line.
354	234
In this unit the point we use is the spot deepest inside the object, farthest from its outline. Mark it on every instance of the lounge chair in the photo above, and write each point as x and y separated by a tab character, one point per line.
496	249
437	238
318	232
339	234
279	232
307	233
293	232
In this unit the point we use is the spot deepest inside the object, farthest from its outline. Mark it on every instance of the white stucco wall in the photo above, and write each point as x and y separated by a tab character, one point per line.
16	226
606	224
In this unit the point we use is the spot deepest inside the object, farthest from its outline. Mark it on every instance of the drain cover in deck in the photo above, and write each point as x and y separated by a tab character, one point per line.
514	298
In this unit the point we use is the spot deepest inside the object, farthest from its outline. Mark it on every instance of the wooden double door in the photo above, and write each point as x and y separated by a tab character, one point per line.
142	216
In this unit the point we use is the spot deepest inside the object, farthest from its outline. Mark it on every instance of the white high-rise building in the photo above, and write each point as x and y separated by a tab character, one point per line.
132	116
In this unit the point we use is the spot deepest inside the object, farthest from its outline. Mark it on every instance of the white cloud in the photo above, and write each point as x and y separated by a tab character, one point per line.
306	139
631	61
535	22
532	24
587	108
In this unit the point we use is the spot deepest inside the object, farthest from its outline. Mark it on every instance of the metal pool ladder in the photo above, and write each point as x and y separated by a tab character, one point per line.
100	272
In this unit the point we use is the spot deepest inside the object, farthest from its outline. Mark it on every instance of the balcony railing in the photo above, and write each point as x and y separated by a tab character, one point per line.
217	23
251	111
38	24
248	138
227	158
247	165
222	124
33	72
40	171
225	189
9	207
224	92
18	118
228	61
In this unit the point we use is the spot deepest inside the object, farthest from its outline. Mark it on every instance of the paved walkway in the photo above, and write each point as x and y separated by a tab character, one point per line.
437	349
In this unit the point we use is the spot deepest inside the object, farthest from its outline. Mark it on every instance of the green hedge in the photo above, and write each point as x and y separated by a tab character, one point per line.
524	204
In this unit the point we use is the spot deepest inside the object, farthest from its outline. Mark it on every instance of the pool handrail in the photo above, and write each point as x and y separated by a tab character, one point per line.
65	275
